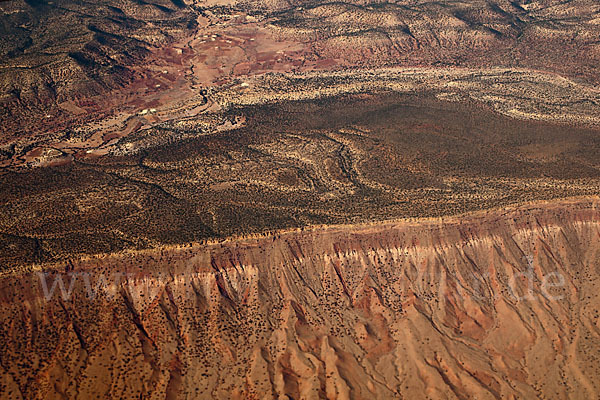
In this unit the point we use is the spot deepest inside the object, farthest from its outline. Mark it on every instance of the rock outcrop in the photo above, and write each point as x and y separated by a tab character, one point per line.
498	304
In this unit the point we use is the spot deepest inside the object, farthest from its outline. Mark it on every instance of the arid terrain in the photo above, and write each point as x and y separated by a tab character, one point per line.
125	65
347	158
497	304
299	200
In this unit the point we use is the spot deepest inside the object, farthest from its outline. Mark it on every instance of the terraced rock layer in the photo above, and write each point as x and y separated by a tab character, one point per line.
498	304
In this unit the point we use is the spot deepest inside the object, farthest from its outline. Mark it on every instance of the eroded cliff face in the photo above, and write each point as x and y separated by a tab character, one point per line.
502	304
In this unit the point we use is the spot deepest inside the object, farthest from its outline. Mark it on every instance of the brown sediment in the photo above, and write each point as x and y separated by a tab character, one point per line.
414	309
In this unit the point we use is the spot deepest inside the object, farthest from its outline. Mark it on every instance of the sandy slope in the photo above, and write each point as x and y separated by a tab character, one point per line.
467	307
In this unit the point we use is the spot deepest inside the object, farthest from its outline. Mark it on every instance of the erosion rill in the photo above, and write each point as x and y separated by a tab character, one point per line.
260	199
497	304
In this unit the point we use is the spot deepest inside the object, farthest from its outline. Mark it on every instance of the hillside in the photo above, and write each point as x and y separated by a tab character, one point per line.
498	304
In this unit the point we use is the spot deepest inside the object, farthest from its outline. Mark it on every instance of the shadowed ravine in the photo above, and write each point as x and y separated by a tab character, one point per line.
498	304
